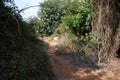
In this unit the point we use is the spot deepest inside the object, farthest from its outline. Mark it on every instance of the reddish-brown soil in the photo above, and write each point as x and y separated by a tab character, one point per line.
63	70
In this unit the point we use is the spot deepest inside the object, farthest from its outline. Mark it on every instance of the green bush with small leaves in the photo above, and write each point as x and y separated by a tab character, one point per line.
77	15
50	15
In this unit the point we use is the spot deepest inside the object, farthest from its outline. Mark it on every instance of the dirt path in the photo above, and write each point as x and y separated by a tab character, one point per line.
65	71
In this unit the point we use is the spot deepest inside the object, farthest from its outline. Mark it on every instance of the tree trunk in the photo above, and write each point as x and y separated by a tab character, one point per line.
106	25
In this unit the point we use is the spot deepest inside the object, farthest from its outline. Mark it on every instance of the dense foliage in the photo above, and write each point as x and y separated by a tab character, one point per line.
22	56
77	15
50	15
74	14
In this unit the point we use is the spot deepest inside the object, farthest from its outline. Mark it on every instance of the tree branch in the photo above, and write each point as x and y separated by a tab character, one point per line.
27	8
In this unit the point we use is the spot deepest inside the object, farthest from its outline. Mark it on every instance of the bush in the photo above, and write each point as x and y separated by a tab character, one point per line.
22	56
50	16
27	61
77	15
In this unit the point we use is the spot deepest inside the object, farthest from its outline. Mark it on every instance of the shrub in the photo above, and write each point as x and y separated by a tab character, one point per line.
77	16
50	16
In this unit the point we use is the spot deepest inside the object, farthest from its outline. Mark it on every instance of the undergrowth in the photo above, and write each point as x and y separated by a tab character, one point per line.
28	61
23	57
81	50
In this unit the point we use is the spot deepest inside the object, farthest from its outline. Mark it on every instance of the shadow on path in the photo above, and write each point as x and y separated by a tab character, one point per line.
65	71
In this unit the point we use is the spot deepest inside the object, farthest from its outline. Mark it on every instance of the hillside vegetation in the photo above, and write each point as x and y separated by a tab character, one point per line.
22	55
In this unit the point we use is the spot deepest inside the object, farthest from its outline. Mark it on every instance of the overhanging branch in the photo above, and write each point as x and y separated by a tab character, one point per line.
27	8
